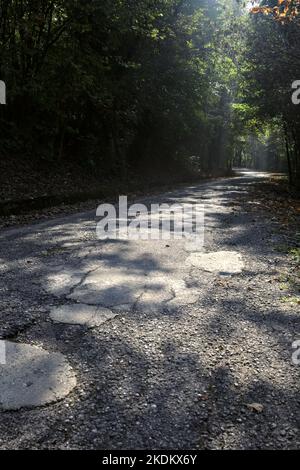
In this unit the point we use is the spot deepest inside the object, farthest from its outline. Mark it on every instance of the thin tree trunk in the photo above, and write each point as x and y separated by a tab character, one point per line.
288	155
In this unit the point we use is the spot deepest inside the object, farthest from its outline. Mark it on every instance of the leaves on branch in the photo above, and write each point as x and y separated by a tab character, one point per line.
284	12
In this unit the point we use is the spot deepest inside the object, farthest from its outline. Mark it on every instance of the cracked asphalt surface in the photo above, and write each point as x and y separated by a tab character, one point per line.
186	350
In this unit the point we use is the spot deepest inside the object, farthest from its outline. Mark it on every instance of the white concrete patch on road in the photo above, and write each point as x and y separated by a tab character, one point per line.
221	262
81	314
167	291
120	289
110	287
33	377
122	308
60	282
155	297
188	297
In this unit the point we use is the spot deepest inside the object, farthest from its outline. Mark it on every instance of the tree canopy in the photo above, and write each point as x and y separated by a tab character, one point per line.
124	86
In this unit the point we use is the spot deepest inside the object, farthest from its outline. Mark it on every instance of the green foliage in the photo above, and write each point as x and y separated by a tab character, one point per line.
122	85
295	253
271	66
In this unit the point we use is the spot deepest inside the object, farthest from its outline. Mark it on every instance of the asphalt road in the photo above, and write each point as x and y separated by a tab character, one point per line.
135	344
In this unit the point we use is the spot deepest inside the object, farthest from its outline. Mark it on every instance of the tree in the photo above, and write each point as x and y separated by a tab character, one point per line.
121	86
271	71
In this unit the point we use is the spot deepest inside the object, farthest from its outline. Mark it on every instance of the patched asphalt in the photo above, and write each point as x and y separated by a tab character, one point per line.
148	344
